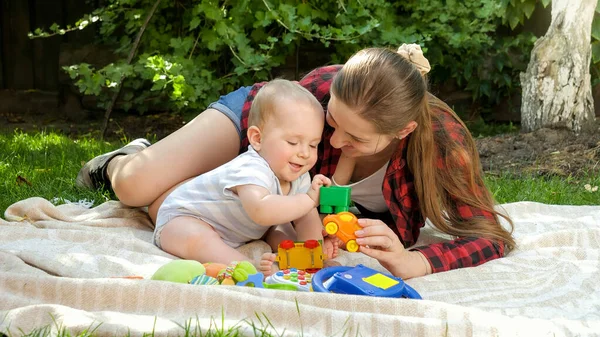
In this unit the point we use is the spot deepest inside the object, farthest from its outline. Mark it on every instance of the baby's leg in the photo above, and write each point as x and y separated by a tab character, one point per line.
279	233
193	239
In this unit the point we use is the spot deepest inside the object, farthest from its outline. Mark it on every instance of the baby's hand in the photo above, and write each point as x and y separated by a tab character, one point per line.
318	181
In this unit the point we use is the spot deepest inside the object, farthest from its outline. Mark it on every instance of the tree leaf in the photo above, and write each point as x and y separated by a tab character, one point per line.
596	29
595	52
528	8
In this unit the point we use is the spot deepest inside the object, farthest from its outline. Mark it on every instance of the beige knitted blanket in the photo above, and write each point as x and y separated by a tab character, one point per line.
58	266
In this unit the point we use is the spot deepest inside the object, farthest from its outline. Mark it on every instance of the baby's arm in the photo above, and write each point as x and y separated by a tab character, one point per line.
270	209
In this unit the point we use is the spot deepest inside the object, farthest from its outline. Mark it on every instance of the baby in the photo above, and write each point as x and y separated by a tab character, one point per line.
257	194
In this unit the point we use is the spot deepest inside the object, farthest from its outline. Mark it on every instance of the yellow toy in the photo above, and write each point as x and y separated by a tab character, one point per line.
300	255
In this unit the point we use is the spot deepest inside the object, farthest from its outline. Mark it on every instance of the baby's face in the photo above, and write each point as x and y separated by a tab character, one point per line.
290	138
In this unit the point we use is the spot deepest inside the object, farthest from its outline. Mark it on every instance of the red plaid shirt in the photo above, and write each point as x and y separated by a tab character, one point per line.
404	217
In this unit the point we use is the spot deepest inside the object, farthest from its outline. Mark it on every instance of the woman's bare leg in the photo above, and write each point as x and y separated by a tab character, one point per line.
206	142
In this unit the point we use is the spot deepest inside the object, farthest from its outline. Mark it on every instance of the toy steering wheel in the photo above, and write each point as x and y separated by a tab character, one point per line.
361	280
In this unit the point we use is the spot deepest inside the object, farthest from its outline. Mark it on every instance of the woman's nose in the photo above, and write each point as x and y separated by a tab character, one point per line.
338	139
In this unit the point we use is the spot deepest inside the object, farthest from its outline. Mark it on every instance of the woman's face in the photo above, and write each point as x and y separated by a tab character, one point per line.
354	135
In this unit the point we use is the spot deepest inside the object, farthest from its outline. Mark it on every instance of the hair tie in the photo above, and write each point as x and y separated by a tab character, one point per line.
413	53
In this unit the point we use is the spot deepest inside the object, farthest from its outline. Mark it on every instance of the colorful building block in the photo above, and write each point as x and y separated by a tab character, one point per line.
334	199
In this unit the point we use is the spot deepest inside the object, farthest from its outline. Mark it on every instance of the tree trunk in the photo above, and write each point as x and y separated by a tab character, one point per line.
556	87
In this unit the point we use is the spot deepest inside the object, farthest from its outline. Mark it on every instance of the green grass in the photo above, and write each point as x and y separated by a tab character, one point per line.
257	326
555	190
46	164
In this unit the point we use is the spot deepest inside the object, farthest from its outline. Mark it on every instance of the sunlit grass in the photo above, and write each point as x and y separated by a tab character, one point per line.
258	326
46	164
557	190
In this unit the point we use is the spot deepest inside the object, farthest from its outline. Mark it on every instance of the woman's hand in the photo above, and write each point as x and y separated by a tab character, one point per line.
315	187
378	241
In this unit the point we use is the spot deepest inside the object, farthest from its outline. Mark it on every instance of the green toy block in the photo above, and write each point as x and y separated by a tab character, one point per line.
334	199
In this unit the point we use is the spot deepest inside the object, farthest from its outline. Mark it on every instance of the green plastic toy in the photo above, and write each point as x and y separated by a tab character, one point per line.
334	199
180	271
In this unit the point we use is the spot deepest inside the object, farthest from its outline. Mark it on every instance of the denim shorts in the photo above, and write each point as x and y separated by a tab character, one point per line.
231	105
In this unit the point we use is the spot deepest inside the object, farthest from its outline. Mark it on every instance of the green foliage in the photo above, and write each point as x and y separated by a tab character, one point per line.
463	44
194	50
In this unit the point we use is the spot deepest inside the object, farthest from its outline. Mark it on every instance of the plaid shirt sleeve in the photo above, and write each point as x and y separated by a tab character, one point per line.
465	251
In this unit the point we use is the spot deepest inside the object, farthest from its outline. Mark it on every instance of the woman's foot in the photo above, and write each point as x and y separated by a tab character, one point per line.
266	265
93	174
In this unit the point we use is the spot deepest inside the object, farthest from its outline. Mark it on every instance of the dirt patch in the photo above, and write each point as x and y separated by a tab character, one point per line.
150	126
543	152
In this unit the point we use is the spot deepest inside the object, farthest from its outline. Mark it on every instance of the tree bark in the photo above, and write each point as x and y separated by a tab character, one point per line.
556	87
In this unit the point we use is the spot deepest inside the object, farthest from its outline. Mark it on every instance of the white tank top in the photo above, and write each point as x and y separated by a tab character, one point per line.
367	192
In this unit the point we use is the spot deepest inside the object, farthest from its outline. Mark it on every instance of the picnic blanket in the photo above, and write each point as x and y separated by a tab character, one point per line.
58	266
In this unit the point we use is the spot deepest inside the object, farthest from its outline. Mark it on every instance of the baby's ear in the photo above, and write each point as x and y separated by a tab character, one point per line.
254	137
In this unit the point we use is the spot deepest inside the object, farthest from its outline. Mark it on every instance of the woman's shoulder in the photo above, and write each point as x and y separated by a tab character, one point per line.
319	77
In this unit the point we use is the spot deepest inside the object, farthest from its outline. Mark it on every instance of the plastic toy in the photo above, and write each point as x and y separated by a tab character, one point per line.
300	255
361	280
204	279
180	271
343	225
298	278
334	199
236	272
213	269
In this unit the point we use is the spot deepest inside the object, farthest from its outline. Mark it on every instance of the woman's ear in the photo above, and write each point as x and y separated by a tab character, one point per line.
410	127
254	137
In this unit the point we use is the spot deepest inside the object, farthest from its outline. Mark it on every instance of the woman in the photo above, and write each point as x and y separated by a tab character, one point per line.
405	153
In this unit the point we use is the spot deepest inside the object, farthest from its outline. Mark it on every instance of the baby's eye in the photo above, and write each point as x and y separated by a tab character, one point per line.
292	143
314	146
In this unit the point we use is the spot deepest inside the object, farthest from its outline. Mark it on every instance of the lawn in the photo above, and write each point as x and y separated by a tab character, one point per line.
46	164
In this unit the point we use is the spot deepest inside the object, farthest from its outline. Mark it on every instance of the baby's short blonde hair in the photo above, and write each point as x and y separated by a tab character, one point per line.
264	104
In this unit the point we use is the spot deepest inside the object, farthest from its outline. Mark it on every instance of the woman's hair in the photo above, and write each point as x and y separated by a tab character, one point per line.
386	89
264	104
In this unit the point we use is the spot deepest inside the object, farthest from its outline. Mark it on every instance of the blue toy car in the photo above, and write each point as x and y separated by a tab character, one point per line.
361	280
